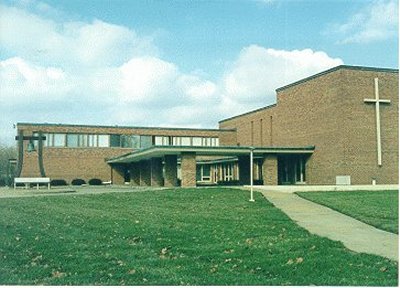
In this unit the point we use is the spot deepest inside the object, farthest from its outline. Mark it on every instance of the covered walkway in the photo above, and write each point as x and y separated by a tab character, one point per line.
158	165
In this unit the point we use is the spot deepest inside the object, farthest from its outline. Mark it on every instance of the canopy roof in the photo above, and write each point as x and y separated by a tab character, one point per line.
160	151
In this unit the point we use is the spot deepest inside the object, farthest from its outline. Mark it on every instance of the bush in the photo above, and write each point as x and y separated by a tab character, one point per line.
78	182
229	183
58	182
95	181
258	182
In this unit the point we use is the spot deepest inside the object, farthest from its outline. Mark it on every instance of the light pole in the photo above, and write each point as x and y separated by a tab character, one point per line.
251	175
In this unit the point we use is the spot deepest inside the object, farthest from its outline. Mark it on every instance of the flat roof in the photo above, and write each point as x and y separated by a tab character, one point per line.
123	127
160	151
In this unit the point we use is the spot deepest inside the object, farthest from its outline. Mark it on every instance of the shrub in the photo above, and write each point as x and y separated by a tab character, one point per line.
95	181
58	182
229	183
78	182
258	182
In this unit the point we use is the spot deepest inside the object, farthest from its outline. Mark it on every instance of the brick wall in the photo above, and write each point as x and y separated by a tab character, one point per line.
328	111
86	163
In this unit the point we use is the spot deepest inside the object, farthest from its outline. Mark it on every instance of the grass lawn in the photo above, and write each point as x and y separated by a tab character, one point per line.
174	237
377	208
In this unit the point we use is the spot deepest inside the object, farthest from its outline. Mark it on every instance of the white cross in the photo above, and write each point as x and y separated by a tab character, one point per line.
378	119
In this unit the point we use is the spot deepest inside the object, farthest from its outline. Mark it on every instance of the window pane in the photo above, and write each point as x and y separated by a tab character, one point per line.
165	140
158	140
206	170
130	141
185	141
196	141
103	140
35	142
176	141
83	140
92	140
115	140
145	141
59	140
72	140
45	143
216	141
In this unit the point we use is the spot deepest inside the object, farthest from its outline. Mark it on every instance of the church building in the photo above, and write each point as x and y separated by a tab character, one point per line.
336	127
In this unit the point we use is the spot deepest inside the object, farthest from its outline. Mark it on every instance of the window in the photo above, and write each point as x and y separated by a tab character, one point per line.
206	173
103	140
92	140
228	172
49	140
176	141
145	142
59	140
83	140
196	141
35	142
72	140
115	140
161	140
185	141
130	141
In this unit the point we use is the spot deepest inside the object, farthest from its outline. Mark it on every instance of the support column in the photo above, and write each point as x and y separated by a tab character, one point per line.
156	172
118	172
134	170
188	168
244	170
145	173
171	172
270	170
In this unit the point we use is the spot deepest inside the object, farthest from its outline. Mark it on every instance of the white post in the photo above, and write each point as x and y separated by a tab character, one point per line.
251	175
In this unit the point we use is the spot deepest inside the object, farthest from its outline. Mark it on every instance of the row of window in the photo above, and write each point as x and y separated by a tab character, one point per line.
124	141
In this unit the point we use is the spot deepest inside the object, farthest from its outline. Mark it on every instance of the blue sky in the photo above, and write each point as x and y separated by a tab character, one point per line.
175	63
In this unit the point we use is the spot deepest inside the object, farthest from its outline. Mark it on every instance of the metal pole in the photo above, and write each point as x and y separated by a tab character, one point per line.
251	175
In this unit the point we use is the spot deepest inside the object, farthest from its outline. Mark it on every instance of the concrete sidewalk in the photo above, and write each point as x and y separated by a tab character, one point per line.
323	221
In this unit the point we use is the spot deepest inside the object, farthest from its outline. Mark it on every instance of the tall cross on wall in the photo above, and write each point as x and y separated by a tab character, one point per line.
377	101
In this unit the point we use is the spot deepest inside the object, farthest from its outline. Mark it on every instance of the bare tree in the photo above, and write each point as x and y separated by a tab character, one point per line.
6	167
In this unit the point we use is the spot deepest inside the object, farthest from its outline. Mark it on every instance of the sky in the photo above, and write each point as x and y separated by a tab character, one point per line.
176	63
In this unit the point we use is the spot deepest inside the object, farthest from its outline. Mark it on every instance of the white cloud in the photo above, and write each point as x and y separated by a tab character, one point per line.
378	21
69	43
101	73
24	83
258	71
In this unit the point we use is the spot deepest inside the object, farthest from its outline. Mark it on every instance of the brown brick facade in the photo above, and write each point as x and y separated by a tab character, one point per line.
87	163
188	168
328	111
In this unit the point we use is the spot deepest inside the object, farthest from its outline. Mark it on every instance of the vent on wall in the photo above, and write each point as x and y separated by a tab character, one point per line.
343	180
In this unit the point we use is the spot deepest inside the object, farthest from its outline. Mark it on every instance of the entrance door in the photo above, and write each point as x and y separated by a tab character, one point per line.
291	169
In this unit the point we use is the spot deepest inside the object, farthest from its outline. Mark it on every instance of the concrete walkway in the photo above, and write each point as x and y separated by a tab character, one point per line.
323	221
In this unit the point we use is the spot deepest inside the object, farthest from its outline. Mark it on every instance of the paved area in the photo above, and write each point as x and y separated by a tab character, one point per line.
70	190
323	221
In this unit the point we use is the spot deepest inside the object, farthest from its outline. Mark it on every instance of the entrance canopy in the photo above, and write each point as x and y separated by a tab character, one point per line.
160	151
158	165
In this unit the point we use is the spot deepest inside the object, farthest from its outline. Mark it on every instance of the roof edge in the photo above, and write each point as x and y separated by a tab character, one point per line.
249	112
348	67
123	127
